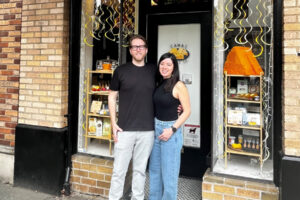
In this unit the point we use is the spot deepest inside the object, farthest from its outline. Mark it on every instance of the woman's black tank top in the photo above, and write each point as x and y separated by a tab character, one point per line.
165	105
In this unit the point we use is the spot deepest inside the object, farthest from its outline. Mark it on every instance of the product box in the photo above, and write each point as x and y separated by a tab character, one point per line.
106	127
96	106
99	127
92	126
235	117
242	86
253	119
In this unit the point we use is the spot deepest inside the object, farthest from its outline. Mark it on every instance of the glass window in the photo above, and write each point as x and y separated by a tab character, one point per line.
242	88
101	48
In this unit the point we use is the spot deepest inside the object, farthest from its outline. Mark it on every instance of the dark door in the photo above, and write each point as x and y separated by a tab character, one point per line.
193	160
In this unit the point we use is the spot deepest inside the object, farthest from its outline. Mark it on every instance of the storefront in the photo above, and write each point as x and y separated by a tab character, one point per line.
231	129
230	57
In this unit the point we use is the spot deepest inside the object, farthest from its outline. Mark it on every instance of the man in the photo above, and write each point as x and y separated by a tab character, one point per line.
134	133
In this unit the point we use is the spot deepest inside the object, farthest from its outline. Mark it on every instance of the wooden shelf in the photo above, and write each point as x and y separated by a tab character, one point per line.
227	127
89	97
98	115
244	127
101	72
105	93
242	101
241	152
108	137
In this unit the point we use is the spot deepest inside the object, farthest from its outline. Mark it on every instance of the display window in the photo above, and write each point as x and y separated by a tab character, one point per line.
242	88
105	28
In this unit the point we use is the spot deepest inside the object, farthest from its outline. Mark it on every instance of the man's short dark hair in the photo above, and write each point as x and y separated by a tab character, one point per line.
137	36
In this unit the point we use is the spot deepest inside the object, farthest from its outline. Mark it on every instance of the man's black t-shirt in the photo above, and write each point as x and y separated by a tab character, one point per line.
135	85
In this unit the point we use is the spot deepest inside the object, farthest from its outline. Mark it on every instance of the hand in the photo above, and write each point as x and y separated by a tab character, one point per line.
116	129
179	109
166	134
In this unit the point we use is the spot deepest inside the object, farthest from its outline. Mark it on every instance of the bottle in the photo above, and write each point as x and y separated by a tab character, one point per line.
253	144
107	86
245	143
257	145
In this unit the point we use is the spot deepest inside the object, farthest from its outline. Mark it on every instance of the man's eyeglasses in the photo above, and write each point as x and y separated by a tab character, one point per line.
141	47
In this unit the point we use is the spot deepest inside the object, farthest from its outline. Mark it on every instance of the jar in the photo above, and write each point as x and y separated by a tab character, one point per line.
231	140
240	139
99	64
107	64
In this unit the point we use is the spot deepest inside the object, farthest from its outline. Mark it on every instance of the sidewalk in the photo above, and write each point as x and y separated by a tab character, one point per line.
8	192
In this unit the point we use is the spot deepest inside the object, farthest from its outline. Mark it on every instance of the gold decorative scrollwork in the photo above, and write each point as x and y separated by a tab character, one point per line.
105	22
247	29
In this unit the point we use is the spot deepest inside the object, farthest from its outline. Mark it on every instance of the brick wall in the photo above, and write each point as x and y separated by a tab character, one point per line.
221	188
44	63
91	175
291	74
10	36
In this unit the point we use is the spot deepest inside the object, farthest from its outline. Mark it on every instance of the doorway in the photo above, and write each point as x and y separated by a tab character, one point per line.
191	33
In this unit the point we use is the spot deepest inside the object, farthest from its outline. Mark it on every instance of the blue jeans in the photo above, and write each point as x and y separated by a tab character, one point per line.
165	163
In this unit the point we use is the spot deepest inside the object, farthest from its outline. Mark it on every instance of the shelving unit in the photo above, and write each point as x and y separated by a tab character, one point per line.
102	95
238	128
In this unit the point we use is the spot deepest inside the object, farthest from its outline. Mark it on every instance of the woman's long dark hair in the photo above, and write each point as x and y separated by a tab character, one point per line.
175	74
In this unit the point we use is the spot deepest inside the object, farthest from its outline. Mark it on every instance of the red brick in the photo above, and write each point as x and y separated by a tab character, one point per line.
3	67
17	49
3	33
4	142
6	119
3	55
17	61
16	79
5	96
19	5
15	22
1	136
2	101
15	107
10	125
5	72
17	38
8	16
3	44
15	91
2	112
5	130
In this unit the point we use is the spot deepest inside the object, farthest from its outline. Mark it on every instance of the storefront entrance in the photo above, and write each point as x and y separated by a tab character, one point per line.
188	36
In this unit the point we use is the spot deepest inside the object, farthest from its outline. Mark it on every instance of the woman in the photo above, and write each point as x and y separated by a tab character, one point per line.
165	156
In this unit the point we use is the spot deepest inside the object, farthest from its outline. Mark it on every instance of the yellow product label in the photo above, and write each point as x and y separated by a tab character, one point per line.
252	123
106	127
93	129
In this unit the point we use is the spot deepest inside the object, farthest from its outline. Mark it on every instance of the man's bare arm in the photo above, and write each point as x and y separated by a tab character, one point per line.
112	102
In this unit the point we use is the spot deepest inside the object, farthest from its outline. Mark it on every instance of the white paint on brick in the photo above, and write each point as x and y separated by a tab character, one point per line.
7	167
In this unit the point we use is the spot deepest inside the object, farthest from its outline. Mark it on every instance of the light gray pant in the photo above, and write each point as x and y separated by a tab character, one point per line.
136	145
